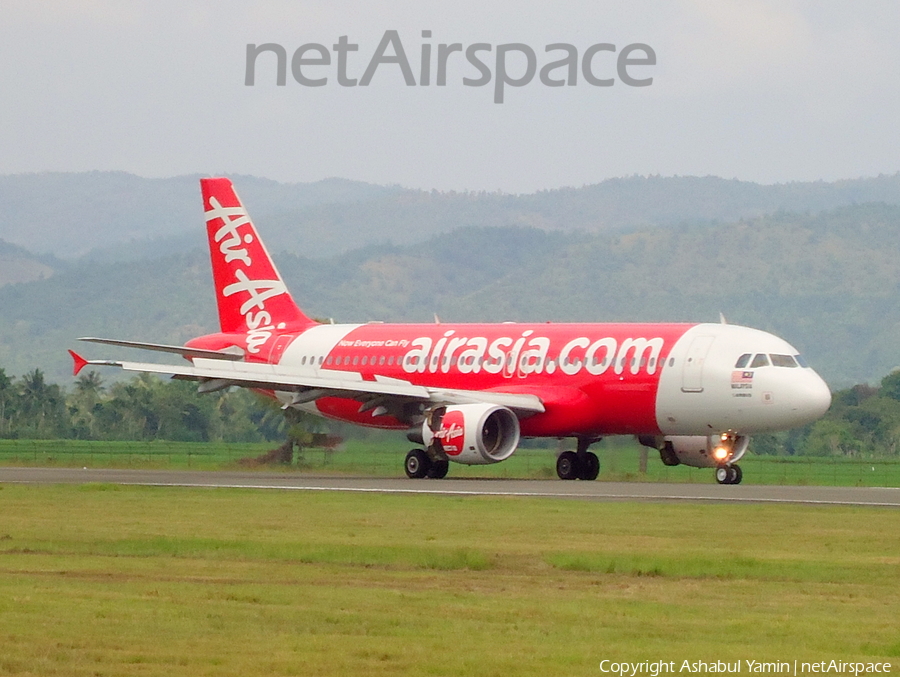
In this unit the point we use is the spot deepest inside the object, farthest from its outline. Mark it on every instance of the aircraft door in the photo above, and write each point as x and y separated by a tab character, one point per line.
692	371
279	346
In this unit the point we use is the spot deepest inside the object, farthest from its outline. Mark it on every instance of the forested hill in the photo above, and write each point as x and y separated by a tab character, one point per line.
72	214
119	216
20	265
829	283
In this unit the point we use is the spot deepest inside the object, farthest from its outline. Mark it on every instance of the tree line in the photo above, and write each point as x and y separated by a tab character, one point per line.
144	407
864	421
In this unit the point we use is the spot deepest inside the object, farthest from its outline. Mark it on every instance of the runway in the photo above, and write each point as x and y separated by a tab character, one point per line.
595	491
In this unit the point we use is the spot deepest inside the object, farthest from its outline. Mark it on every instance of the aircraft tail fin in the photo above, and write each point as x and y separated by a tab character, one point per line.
250	293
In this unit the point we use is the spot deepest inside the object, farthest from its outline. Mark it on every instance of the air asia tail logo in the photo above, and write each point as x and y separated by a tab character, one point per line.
452	433
233	246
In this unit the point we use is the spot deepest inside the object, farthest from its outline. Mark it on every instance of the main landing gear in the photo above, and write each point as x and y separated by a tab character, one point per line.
579	465
419	465
729	474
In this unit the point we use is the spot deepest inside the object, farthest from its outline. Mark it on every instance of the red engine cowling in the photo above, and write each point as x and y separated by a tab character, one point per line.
473	434
704	451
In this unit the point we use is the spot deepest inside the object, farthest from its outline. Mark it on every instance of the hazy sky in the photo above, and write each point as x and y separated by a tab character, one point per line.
763	90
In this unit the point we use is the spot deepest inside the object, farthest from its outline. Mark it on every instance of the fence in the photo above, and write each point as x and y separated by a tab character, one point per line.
618	461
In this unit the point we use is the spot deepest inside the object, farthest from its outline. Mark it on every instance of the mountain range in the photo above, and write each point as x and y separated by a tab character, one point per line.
816	263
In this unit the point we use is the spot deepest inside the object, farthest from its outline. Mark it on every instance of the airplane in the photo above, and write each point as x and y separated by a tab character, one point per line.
468	393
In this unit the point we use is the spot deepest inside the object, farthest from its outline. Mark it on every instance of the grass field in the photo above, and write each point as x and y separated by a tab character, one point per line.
383	456
107	580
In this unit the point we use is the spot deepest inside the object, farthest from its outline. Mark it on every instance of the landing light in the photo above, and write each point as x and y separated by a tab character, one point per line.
720	453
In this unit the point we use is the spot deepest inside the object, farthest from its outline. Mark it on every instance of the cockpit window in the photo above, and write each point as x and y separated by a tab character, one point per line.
759	361
742	361
783	361
801	361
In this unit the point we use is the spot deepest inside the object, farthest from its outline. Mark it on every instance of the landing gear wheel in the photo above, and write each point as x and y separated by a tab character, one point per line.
567	466
417	464
590	466
438	470
729	474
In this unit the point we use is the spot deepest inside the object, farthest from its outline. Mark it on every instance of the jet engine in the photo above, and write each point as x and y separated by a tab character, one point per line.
472	434
703	451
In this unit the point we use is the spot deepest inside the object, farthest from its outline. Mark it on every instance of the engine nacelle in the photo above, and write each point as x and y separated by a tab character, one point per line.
473	434
703	451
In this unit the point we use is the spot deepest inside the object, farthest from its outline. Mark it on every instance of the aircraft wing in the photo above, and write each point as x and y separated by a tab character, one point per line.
217	374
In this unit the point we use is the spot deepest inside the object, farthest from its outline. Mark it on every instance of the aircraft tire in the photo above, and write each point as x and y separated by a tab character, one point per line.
590	467
567	466
738	474
438	470
417	464
723	474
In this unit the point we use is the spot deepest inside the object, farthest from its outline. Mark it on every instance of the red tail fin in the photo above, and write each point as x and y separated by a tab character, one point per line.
251	296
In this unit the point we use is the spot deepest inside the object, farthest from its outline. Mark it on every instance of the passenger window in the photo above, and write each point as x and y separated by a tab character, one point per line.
759	361
783	361
742	361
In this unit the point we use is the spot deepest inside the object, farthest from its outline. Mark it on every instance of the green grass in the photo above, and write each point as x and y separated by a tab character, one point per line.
383	456
100	579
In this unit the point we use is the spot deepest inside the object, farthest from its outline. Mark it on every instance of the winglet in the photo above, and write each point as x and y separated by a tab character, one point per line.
80	362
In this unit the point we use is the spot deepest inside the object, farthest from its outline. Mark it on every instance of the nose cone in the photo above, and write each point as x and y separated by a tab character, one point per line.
812	398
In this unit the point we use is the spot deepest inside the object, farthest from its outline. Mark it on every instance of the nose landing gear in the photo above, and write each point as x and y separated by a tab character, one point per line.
729	474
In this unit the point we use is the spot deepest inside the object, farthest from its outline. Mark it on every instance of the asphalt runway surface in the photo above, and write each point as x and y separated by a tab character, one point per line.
596	491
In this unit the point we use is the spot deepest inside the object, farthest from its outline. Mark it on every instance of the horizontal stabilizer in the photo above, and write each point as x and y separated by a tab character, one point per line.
232	354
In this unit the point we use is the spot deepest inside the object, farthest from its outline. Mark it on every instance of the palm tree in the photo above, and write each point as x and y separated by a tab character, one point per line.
38	399
84	402
90	384
7	398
